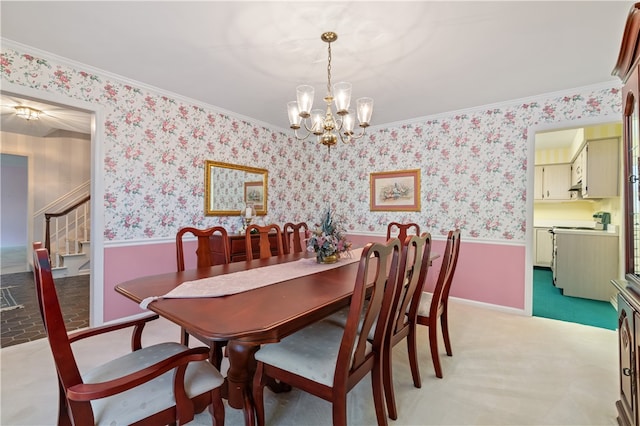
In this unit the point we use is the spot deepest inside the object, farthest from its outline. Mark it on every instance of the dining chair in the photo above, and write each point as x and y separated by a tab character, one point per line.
403	230
166	383
414	265
205	257
435	305
294	235
327	360
264	242
63	416
205	254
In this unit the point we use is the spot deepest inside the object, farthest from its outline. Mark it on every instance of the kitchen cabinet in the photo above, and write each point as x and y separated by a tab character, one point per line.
600	168
577	168
552	182
585	263
543	247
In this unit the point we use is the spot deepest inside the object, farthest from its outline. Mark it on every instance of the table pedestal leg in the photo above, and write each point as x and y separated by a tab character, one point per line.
242	365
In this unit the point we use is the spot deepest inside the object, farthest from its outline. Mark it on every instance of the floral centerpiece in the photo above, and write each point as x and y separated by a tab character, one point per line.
327	241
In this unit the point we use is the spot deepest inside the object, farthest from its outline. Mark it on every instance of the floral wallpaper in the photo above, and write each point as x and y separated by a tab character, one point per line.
473	165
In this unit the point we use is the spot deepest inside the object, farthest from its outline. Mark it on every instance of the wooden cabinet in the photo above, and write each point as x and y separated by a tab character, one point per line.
601	170
627	67
586	262
629	353
543	247
552	182
237	247
577	168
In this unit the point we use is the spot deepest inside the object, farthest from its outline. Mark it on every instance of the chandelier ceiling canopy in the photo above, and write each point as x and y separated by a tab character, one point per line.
325	124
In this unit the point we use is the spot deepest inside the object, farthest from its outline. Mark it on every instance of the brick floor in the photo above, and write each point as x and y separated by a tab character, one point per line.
25	324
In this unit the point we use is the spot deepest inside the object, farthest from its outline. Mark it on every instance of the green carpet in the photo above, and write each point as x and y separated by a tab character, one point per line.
548	302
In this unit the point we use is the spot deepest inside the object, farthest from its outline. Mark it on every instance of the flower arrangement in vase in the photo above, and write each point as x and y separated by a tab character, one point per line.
327	241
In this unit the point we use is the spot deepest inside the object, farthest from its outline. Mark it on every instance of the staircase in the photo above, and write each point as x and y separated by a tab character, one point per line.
69	264
66	236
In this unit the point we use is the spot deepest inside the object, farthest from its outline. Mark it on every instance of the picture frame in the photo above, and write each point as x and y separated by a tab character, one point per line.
254	194
397	190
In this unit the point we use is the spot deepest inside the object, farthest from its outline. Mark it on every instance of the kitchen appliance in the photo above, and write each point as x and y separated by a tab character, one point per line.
600	221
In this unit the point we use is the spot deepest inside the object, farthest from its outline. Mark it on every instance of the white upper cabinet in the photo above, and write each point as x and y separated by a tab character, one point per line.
552	182
577	168
601	173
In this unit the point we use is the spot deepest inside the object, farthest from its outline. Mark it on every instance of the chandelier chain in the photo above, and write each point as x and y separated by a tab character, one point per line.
329	72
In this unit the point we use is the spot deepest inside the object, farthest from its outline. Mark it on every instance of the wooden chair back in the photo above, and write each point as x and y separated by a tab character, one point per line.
294	235
403	229
375	287
414	264
439	301
440	297
36	277
205	258
63	417
264	242
64	359
204	251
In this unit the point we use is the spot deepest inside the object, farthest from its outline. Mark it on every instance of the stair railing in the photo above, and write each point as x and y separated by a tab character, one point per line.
79	220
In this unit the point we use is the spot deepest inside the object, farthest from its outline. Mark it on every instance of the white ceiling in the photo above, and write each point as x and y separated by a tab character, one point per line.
51	118
415	58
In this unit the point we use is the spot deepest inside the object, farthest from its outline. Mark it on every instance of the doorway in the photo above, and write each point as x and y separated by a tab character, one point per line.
13	210
69	121
559	146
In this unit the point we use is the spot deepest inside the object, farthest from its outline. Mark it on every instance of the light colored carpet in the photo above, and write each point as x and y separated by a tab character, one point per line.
506	370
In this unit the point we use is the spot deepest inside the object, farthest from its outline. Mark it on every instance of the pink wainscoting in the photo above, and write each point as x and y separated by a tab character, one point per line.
487	273
129	262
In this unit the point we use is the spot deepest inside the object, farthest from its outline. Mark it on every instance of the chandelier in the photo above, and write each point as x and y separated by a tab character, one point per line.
325	124
27	113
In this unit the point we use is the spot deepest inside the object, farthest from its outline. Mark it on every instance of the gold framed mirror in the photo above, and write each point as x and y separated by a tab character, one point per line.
228	188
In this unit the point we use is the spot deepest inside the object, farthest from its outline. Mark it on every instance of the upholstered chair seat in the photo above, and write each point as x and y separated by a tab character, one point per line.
135	404
425	304
311	352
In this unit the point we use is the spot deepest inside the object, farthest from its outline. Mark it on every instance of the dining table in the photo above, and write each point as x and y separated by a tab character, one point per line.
248	319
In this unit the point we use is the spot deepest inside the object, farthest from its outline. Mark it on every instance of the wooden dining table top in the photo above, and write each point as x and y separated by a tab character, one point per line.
261	315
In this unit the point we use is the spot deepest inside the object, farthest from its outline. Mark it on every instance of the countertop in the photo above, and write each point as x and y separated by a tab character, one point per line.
607	233
612	230
567	223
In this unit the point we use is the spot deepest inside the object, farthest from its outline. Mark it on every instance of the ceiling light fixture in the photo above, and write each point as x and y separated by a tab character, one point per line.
27	113
323	124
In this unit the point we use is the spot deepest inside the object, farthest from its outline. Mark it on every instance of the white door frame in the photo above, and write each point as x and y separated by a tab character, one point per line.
531	158
96	291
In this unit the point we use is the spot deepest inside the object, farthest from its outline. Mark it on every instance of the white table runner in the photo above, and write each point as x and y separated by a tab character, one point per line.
238	282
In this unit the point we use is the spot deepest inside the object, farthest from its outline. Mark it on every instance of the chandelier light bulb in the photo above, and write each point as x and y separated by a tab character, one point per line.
305	99
294	114
342	97
365	109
